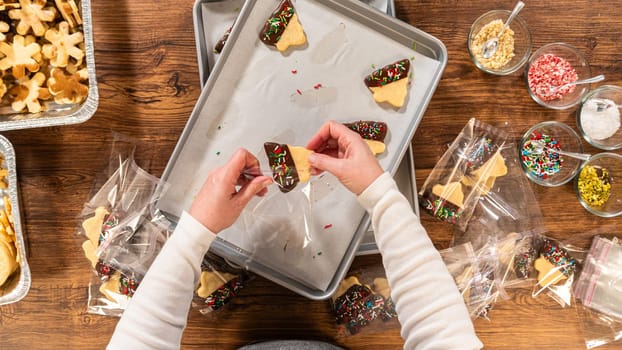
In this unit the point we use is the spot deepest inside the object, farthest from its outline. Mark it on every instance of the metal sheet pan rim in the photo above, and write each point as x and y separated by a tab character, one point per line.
25	278
90	104
371	15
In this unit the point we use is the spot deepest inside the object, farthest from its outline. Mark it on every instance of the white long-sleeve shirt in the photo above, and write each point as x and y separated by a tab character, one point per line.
429	306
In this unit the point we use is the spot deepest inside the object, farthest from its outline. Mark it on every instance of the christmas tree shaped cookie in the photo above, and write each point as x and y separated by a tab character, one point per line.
390	83
289	164
372	132
283	29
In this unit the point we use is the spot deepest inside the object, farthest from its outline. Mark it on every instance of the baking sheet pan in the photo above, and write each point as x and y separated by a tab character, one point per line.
227	112
213	18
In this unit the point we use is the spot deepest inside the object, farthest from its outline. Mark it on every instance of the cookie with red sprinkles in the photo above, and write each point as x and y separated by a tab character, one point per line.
390	83
283	29
289	164
372	132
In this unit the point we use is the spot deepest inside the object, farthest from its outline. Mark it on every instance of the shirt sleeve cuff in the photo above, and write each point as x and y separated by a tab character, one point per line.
194	231
372	194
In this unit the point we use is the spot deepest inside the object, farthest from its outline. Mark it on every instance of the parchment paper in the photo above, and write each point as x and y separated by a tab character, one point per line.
259	95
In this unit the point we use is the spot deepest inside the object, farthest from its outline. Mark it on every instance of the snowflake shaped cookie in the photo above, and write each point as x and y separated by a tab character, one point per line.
32	14
28	93
68	89
20	56
63	45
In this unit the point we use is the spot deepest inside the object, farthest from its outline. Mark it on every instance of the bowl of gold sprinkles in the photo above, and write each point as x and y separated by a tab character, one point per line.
514	44
599	184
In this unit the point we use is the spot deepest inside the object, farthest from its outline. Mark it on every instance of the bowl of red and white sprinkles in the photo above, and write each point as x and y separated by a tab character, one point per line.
550	69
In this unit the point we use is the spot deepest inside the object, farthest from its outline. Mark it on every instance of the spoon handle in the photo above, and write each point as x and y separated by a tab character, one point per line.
595	79
519	6
582	156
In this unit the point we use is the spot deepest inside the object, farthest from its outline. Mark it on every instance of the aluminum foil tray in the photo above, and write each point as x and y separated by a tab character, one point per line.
55	114
18	284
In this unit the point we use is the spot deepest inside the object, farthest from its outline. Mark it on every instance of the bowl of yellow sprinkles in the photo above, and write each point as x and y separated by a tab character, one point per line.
514	44
599	184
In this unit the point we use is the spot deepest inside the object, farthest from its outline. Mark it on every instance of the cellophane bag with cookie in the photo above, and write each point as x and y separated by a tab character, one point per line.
220	283
477	274
362	303
516	252
466	171
281	226
557	265
118	231
599	292
507	204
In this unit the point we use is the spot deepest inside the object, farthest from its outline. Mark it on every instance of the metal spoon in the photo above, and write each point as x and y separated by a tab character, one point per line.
491	45
595	79
606	104
540	147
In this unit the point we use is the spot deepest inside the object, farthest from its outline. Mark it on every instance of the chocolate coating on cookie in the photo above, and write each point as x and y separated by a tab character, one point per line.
224	294
276	24
439	207
282	164
369	130
559	257
222	41
388	74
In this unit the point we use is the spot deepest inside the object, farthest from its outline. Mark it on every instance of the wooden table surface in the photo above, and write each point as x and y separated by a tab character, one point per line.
148	83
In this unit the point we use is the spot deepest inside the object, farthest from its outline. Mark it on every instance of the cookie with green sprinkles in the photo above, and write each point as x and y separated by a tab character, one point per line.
289	164
390	83
440	208
283	29
372	132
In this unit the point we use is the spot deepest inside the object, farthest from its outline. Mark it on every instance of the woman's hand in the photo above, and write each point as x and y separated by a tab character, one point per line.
227	190
343	153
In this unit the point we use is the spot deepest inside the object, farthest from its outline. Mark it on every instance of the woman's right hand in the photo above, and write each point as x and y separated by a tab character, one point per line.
343	153
227	191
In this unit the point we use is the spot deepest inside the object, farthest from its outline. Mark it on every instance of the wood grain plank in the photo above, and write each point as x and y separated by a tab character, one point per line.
148	82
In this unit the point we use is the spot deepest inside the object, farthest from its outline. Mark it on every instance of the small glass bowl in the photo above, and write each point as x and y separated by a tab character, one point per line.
595	200
542	164
598	118
522	43
578	62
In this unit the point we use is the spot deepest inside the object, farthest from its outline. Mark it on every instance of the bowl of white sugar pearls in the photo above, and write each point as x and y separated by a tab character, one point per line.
598	118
